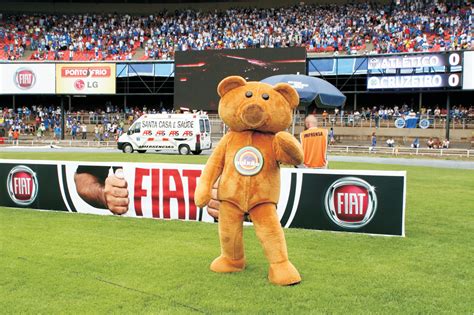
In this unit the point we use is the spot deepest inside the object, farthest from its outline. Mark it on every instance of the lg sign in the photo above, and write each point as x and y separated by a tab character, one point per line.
25	78
22	185
351	202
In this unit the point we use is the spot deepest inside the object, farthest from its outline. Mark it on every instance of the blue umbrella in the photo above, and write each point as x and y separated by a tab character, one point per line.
323	93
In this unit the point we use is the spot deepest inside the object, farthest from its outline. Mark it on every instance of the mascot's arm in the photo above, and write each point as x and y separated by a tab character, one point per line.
287	149
210	174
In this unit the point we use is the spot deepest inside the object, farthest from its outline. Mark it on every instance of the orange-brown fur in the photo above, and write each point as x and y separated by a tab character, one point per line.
259	123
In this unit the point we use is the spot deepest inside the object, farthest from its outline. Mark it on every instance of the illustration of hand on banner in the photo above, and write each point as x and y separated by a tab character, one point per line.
103	188
116	192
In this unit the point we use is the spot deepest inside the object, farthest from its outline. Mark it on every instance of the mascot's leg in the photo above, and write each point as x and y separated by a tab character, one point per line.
230	233
270	233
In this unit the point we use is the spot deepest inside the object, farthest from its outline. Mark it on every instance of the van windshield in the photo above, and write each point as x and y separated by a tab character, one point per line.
135	128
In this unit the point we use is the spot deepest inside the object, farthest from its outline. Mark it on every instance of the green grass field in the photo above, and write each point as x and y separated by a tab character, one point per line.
71	263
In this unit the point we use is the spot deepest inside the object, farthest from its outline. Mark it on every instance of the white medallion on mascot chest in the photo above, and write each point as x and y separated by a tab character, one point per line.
248	161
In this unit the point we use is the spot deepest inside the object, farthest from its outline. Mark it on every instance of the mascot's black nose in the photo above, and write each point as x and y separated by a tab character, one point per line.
253	115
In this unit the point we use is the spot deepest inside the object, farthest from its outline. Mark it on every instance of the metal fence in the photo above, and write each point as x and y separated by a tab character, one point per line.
435	122
332	149
438	122
401	151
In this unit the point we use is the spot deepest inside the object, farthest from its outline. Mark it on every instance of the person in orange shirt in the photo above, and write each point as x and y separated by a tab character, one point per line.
16	136
315	142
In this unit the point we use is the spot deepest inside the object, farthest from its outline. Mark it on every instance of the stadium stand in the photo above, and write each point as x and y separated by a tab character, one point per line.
401	26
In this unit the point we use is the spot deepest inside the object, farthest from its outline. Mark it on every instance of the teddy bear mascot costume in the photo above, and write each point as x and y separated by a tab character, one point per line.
247	160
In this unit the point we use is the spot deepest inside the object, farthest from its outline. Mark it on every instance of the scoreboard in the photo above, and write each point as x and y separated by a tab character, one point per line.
428	71
468	71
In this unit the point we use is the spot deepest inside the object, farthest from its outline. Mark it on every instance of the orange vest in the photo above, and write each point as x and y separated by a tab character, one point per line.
315	142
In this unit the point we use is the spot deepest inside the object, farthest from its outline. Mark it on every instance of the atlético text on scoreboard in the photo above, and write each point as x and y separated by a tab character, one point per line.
415	71
370	202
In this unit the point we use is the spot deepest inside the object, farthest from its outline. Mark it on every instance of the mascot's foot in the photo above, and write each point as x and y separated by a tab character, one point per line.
284	274
224	264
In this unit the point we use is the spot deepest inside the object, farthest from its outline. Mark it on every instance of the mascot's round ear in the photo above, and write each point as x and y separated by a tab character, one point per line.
230	83
289	93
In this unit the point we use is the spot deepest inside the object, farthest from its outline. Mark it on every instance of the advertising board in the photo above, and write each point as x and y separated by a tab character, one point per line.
197	73
335	200
27	78
85	78
468	71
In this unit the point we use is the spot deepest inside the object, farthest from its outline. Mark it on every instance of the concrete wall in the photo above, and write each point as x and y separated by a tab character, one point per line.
120	7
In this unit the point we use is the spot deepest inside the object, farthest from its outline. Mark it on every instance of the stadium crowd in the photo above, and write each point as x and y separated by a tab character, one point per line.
402	26
42	121
111	121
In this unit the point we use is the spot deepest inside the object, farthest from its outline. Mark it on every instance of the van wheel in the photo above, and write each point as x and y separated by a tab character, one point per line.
184	149
141	151
197	152
127	148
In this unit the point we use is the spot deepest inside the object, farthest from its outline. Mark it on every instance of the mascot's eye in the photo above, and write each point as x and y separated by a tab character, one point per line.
249	94
265	96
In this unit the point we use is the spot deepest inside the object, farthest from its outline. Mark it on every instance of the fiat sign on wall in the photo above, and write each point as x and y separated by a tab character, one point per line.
85	78
354	201
351	202
27	78
22	185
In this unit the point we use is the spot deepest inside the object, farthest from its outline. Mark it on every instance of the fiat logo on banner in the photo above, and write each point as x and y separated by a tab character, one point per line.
22	185
25	78
351	202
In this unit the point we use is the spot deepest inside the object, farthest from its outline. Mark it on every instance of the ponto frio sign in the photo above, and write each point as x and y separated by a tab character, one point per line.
351	202
248	161
22	185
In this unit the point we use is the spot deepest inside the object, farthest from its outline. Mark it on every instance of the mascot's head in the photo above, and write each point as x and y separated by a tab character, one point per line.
255	105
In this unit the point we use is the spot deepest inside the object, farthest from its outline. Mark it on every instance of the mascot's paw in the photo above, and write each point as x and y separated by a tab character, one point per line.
284	274
287	148
224	264
201	197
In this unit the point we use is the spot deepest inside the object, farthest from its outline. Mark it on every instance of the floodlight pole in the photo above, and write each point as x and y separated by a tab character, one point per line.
62	118
294	121
448	118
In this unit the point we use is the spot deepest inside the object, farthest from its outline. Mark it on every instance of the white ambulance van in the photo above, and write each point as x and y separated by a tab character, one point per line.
183	132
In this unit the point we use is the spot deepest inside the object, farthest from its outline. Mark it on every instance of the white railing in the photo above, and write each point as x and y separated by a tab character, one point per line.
400	151
332	149
389	122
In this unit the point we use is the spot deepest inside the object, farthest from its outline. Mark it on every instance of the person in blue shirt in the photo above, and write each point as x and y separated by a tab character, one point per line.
57	132
74	131
373	142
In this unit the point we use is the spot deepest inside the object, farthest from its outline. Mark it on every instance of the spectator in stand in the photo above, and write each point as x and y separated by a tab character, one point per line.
430	143
446	143
57	132
96	133
332	139
84	131
416	143
373	142
74	128
10	135
325	118
390	142
399	26
16	137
